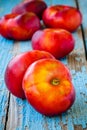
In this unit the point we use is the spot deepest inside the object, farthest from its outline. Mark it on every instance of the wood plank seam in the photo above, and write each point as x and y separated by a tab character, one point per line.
6	119
82	29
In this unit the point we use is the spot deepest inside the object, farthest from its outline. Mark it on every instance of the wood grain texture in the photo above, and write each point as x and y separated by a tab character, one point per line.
17	114
82	7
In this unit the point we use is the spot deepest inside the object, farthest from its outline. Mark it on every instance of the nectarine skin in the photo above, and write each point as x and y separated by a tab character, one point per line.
19	26
62	16
48	87
58	42
35	6
17	67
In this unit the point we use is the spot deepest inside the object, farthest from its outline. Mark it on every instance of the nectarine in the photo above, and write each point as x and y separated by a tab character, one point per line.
48	87
17	67
62	16
19	26
35	6
58	42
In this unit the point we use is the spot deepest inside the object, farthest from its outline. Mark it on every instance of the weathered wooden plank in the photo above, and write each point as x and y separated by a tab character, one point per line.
82	6
21	115
78	66
4	58
5	55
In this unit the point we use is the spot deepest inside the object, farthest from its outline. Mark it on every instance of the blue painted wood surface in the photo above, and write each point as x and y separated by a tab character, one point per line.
16	114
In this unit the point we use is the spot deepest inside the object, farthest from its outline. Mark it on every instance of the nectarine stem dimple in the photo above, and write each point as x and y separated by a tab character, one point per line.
55	82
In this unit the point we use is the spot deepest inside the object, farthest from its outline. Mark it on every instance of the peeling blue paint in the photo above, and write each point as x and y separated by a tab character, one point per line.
27	117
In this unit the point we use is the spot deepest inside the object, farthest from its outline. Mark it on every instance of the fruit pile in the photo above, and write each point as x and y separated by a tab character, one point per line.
38	75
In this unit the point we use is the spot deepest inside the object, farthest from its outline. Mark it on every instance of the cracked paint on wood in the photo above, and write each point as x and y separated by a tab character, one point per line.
21	116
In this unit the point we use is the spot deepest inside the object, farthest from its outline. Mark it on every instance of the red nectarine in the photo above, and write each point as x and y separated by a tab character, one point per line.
19	26
35	6
17	67
58	42
62	16
48	87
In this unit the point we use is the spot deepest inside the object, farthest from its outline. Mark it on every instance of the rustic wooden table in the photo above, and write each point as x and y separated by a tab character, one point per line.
17	114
